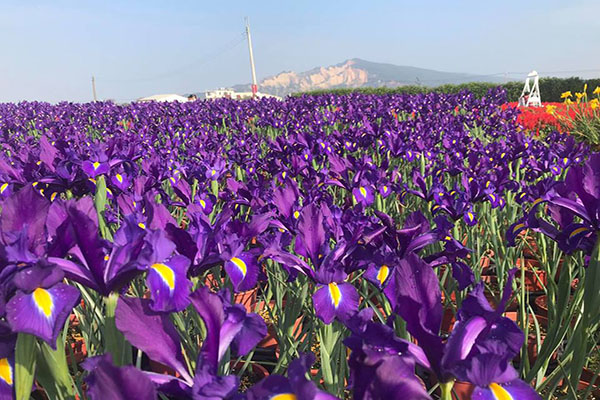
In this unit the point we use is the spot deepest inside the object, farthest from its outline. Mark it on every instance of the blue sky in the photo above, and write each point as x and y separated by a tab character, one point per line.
50	50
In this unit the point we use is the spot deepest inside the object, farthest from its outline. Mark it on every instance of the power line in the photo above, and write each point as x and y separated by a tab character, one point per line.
200	61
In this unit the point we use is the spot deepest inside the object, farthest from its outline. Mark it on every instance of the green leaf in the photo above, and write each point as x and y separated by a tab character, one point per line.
25	364
100	203
53	371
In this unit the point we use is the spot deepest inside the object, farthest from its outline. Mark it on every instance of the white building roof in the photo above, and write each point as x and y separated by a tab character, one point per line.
164	97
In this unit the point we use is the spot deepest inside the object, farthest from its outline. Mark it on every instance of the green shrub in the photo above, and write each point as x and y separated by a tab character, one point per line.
550	88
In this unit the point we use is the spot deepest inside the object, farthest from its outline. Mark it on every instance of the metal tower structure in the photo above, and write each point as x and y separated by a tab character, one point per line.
254	84
530	96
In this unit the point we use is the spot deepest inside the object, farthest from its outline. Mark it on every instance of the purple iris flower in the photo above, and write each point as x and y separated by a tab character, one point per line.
226	325
107	381
73	229
42	302
382	365
363	194
121	180
166	273
415	295
94	168
295	386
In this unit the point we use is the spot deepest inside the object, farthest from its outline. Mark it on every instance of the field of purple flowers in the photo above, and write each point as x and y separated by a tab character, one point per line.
360	246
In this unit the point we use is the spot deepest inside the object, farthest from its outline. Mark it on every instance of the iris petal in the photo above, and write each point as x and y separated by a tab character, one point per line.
169	285
43	312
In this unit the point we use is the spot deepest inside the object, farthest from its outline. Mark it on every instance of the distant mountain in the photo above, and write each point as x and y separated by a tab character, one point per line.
360	73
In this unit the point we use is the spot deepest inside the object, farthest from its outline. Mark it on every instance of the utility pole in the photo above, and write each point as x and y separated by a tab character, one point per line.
94	88
254	85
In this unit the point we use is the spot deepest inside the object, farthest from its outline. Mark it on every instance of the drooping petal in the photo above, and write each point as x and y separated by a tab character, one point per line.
253	330
243	271
210	308
209	386
303	387
106	381
311	232
27	209
169	285
462	339
94	168
43	312
151	332
335	300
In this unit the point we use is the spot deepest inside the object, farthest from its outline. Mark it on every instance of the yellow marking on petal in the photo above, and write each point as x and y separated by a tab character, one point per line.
238	262
96	165
38	162
92	180
173	180
296	214
577	232
283	174
142	225
499	392
202	203
536	202
385	189
34	184
6	371
166	273
53	196
336	295
284	396
213	172
106	257
43	301
471	216
565	160
383	273
119	178
517	227
363	192
492	197
3	187
448	238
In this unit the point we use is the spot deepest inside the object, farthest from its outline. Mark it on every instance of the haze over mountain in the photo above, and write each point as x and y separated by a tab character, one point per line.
356	73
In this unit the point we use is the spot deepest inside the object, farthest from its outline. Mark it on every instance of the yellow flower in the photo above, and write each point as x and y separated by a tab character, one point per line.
566	95
568	101
585	88
597	90
594	103
550	108
579	96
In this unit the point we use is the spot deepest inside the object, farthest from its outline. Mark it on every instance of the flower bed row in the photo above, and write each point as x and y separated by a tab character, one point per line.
318	247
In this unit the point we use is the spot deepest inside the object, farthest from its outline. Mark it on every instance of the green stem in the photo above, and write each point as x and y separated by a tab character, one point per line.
114	341
446	388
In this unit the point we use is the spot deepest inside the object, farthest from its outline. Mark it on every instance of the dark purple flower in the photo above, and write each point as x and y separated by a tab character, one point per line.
107	381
